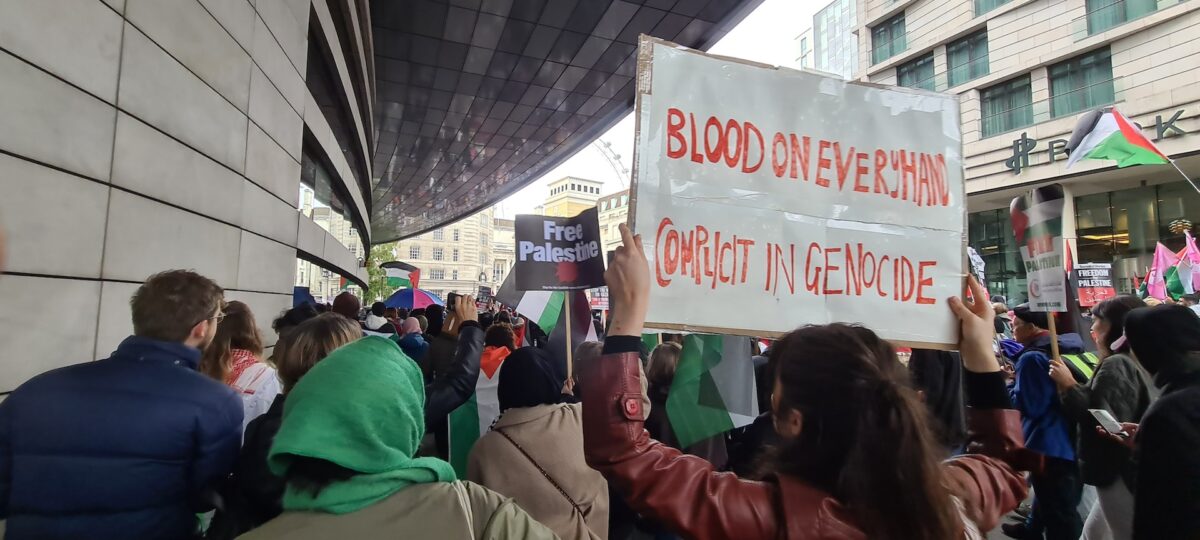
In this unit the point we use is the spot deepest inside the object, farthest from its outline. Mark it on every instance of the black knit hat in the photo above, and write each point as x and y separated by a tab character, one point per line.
1036	318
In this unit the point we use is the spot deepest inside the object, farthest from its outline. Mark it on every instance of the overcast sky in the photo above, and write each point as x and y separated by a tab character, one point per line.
767	35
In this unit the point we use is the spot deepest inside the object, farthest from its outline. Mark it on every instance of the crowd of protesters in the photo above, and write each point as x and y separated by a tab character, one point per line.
194	428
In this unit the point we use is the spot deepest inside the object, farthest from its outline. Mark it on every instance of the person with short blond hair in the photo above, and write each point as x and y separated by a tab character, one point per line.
131	446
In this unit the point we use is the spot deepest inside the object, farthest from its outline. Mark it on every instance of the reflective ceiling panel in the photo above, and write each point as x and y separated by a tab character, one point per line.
477	98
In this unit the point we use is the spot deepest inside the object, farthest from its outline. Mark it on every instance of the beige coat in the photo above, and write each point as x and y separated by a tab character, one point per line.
441	510
553	436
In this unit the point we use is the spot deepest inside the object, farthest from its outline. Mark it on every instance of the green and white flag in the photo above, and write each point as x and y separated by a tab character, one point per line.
541	307
472	419
401	275
713	390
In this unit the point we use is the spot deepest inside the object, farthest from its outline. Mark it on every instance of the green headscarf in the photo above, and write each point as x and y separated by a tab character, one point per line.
362	408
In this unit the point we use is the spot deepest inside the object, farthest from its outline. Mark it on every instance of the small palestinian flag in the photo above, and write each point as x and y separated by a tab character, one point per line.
401	274
1107	134
541	307
713	390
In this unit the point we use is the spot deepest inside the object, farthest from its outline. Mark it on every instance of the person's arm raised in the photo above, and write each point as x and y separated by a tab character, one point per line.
683	492
454	387
628	280
986	481
977	321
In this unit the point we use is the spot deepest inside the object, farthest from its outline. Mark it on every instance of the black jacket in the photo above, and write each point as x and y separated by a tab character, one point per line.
253	495
1167	496
1122	387
454	385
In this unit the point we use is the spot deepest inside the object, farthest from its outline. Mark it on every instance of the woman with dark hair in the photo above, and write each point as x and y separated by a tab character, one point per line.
538	435
235	358
857	459
937	376
350	465
1166	341
294	317
1123	388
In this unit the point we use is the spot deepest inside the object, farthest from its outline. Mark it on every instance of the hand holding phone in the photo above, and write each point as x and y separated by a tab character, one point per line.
1109	423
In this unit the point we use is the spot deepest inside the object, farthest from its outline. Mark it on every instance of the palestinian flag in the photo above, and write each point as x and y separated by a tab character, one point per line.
713	390
1107	134
401	274
472	419
542	307
582	329
1185	279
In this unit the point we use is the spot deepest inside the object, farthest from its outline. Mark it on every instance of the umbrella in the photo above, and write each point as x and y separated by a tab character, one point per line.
412	299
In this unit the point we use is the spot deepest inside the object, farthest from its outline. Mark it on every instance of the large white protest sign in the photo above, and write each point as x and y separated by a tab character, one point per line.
769	198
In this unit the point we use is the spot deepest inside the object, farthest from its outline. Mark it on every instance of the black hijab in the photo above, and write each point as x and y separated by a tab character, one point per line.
1165	340
527	379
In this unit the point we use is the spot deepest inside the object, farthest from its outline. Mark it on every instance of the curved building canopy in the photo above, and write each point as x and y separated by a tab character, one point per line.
477	98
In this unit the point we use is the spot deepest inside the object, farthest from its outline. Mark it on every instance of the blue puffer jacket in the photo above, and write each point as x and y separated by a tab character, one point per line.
414	346
126	447
1033	393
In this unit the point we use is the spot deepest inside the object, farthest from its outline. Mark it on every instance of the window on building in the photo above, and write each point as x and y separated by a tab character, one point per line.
990	233
1123	227
497	272
918	73
438	235
888	39
455	235
483	240
484	219
454	274
483	258
454	255
414	252
1105	14
624	200
967	58
438	253
1007	106
437	273
984	6
1081	83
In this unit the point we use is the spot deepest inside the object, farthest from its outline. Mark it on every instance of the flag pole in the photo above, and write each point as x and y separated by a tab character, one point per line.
1053	335
567	307
1195	186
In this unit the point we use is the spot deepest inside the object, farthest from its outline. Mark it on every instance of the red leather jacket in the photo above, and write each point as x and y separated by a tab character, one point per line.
687	495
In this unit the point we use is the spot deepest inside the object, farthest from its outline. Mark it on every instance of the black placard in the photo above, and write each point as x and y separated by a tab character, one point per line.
557	253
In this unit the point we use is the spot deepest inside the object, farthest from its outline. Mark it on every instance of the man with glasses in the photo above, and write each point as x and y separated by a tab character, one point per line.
129	446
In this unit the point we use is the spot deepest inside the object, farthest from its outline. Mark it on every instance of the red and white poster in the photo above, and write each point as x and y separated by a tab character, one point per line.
769	198
1094	283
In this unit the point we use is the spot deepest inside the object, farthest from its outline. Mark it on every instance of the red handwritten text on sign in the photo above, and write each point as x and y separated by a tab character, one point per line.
917	177
711	259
